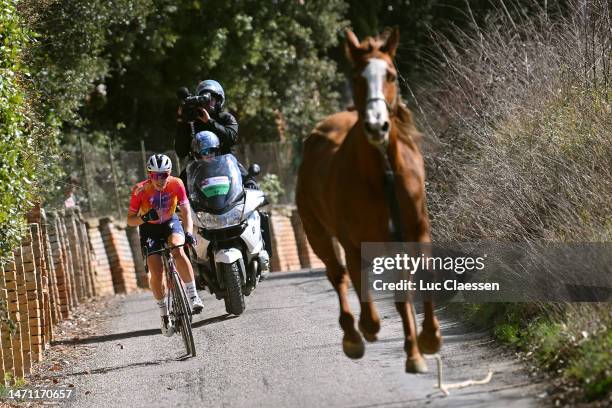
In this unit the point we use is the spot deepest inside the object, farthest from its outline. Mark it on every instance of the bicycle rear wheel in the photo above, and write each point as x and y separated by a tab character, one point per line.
183	314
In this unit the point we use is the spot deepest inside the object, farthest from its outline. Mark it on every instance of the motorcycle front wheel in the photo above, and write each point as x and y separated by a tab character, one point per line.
234	298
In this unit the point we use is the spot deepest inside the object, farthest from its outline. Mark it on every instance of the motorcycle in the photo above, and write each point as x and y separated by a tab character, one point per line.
231	255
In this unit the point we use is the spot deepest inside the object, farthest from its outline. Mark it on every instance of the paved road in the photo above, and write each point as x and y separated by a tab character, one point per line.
284	351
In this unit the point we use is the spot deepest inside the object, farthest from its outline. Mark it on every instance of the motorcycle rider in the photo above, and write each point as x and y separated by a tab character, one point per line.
152	210
211	118
205	146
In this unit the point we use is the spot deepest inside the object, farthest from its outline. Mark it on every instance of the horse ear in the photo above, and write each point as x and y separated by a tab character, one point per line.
352	45
392	42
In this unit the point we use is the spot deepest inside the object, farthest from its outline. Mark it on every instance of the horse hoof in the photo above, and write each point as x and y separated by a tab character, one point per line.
416	365
354	350
370	336
429	341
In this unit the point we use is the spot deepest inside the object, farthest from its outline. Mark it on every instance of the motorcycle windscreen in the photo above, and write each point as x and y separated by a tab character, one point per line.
214	185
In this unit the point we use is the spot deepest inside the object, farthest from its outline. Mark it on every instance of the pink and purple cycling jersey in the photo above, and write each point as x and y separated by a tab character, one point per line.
145	197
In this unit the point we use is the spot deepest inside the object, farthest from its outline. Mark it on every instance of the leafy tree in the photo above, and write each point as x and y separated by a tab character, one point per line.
73	46
421	23
78	44
269	56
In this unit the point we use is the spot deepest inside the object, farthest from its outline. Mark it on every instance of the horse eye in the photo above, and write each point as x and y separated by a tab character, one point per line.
390	77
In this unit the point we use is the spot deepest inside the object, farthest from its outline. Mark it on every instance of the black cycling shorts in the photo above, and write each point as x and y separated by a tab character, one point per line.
154	236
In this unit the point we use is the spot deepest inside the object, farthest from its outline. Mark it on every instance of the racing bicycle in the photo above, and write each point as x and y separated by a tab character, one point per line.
179	311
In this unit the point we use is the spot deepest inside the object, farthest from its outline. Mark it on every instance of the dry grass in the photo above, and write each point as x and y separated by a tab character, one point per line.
519	148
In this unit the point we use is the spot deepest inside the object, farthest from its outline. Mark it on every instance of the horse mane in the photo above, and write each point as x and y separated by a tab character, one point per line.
406	129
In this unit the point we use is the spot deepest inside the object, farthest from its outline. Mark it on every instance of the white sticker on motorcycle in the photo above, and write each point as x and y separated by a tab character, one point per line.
214	186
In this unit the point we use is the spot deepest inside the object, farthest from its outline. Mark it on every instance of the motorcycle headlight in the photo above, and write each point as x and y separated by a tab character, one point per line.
218	221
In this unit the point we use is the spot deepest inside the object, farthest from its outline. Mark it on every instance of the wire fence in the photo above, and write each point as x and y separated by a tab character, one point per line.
101	177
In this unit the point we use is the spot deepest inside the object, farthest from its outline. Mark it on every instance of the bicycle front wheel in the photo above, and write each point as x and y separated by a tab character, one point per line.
183	314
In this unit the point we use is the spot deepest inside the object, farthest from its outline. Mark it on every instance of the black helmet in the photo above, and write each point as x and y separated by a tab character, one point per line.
215	88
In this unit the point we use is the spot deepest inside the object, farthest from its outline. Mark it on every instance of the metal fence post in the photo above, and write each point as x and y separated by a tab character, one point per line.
143	154
85	176
112	162
176	162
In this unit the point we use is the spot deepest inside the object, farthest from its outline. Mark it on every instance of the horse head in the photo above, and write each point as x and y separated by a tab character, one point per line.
375	89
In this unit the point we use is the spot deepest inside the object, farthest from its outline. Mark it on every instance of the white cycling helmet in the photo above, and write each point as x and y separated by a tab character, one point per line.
159	163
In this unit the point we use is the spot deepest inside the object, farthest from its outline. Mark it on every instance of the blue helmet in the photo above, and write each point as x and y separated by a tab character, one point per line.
205	143
215	88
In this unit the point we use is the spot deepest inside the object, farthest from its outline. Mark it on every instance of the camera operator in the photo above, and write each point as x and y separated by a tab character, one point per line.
205	112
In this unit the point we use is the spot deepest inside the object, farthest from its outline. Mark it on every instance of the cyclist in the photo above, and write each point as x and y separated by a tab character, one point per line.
152	209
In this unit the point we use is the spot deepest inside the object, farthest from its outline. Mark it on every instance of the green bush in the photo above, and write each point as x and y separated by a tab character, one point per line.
270	184
592	365
557	338
18	159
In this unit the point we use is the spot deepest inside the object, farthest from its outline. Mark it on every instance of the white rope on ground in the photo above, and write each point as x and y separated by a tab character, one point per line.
445	387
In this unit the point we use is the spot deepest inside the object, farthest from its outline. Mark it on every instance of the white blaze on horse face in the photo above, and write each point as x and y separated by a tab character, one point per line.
376	120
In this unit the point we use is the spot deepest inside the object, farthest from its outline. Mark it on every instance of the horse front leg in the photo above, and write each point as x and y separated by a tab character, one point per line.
415	363
352	343
369	321
323	247
430	338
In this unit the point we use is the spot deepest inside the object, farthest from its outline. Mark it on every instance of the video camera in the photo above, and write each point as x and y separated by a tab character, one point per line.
191	103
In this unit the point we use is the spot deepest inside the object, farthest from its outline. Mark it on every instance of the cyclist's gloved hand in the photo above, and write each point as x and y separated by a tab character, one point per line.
190	239
151	215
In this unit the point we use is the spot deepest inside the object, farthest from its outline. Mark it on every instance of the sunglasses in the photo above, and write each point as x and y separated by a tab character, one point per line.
159	176
207	151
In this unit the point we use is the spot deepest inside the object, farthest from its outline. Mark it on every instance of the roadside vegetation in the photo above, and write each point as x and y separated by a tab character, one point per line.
24	154
105	73
519	126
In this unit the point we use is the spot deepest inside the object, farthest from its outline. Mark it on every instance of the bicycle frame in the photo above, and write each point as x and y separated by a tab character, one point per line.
178	307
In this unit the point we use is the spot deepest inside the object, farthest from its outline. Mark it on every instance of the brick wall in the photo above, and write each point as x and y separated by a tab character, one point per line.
134	239
103	278
285	255
53	293
119	254
62	261
6	330
59	256
42	288
74	246
32	282
10	276
308	259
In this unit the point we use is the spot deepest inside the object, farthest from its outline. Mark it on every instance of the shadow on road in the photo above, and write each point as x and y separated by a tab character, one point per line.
104	370
304	273
136	333
212	320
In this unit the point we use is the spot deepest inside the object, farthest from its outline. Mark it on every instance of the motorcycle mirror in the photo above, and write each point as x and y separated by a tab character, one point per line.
254	170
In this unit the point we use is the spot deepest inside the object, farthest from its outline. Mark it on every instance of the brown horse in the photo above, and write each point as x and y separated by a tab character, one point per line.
340	191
